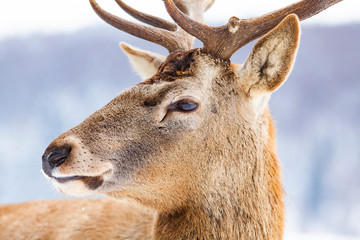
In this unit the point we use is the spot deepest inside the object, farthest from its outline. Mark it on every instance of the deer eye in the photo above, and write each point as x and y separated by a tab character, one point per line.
187	106
184	105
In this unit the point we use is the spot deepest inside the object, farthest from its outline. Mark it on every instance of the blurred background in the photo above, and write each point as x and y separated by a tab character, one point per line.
59	63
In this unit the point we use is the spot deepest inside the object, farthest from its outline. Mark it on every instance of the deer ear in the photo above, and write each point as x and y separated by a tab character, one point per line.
271	59
145	63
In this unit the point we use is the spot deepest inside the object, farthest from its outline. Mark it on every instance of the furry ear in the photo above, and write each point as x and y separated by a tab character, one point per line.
271	59
145	63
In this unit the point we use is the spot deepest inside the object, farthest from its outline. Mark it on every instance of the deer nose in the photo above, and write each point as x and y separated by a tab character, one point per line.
54	157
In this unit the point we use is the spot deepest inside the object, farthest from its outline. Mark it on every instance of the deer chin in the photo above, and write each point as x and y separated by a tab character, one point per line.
78	185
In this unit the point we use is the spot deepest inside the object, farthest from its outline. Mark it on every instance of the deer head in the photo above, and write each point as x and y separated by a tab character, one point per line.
194	140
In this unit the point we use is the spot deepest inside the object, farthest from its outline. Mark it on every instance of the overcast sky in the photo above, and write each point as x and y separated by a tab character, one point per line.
21	17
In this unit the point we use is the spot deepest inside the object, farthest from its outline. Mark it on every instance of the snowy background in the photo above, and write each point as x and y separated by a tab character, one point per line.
50	82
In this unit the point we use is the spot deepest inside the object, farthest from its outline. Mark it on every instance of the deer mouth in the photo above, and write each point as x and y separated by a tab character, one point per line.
91	183
67	179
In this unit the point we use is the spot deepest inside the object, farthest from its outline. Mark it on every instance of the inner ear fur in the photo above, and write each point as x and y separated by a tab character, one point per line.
271	58
145	63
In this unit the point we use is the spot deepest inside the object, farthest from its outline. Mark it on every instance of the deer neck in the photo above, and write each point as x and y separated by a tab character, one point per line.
242	199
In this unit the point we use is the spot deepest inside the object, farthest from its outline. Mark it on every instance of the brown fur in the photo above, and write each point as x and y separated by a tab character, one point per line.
211	173
78	219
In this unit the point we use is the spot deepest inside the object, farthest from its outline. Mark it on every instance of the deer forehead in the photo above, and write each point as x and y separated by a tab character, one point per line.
194	76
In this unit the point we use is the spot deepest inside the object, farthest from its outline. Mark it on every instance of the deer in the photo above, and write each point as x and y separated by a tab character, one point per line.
189	152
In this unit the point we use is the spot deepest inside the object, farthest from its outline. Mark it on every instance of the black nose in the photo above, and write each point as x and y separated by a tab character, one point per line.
54	157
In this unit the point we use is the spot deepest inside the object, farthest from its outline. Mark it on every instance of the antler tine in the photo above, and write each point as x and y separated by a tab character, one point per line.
194	28
256	27
167	39
195	10
146	18
223	41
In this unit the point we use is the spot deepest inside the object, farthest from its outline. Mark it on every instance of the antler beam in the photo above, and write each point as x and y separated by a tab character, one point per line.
222	42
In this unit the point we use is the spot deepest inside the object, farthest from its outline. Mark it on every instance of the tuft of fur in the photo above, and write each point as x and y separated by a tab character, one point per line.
176	65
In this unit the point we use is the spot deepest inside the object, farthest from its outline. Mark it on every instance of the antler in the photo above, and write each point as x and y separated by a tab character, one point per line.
146	18
222	42
161	32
